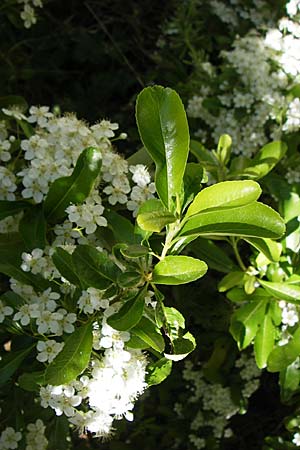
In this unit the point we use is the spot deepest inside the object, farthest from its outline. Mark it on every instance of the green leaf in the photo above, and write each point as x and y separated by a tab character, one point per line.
284	355
283	291
122	228
73	359
255	219
271	249
130	313
227	194
134	251
265	160
193	177
224	148
33	227
59	433
163	129
8	208
94	268
10	363
31	381
214	256
230	280
205	157
182	347
158	371
153	216
129	279
264	341
289	380
75	188
178	270
63	261
149	333
245	322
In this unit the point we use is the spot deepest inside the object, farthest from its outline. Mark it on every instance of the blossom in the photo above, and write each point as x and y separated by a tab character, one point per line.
5	311
39	114
9	438
48	350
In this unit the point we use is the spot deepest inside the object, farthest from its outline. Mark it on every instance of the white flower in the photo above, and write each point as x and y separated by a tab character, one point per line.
15	111
296	439
9	438
48	350
140	175
28	16
40	115
35	436
5	311
26	313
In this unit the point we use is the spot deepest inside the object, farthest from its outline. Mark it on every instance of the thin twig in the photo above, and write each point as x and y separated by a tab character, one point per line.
116	46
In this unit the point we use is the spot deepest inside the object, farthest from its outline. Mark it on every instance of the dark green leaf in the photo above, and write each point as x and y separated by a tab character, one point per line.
64	263
8	208
289	380
271	249
245	322
94	268
75	188
182	347
73	359
130	313
31	381
122	228
33	228
163	129
214	256
149	333
10	363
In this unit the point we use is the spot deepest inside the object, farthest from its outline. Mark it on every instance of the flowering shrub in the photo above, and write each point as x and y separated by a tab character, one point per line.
85	328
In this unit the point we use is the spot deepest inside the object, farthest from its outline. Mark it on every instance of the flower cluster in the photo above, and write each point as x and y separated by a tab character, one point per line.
28	13
34	437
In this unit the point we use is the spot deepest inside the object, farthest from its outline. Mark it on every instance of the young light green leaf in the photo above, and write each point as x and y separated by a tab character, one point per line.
283	291
163	129
265	160
230	280
149	333
289	380
8	208
264	341
178	270
94	268
75	188
73	358
158	371
63	261
153	216
245	322
33	227
255	219
227	194
130	313
182	347
284	355
224	148
271	249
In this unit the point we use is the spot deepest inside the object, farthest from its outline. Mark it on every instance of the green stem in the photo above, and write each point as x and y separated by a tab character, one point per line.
234	242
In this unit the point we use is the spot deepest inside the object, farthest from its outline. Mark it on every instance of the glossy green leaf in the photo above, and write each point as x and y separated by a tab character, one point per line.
130	313
33	227
149	333
283	291
153	216
158	371
205	157
264	341
8	208
255	220
230	280
75	188
94	268
227	194
178	270
194	176
134	251
73	359
271	249
182	347
10	363
163	129
284	355
63	261
224	148
245	322
265	160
